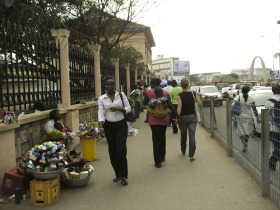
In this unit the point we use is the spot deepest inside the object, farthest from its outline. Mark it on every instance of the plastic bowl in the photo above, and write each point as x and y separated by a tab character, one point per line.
45	175
75	182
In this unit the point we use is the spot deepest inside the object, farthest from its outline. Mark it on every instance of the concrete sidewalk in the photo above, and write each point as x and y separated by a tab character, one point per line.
212	181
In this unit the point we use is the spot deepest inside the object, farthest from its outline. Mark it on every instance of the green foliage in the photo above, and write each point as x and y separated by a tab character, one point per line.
129	54
198	83
234	75
99	21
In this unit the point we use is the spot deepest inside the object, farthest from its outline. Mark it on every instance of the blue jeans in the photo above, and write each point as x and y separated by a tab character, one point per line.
188	122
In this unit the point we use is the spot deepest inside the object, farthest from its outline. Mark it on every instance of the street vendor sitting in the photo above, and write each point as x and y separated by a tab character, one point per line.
55	130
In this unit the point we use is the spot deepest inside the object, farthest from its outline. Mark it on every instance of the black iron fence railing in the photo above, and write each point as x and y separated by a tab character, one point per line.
106	70
81	67
29	69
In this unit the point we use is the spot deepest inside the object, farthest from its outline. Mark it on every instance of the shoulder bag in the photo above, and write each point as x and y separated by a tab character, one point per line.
196	109
130	117
236	109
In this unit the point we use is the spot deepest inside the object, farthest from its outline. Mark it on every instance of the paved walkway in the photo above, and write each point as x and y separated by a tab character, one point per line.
214	181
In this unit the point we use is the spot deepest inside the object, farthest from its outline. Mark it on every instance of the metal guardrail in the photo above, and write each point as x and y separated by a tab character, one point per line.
262	154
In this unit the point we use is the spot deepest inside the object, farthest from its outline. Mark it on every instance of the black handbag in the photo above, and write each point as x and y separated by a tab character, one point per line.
130	117
236	109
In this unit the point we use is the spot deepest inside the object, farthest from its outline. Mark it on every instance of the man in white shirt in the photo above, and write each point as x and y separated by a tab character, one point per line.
274	133
168	87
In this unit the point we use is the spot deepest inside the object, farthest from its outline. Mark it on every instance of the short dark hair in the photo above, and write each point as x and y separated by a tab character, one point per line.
158	92
174	83
52	113
276	89
169	82
155	81
108	78
245	89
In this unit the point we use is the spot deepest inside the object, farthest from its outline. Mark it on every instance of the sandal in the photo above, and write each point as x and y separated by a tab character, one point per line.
192	159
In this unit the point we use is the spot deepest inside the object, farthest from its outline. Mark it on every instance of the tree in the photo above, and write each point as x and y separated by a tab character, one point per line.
105	21
128	54
95	20
42	15
234	75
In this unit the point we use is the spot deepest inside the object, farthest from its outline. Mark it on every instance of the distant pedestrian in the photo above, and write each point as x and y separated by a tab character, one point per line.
173	95
187	117
141	98
113	124
274	133
245	122
168	87
137	100
158	125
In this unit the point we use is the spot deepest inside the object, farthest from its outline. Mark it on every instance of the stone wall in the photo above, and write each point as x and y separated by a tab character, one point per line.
88	115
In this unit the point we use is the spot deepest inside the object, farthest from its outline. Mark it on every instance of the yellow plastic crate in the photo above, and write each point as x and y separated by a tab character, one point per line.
44	193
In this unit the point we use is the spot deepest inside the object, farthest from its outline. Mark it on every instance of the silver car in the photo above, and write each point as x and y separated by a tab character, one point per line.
260	97
208	91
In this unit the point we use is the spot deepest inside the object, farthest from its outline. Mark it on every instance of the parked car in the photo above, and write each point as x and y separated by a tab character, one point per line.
194	88
236	89
260	97
261	88
206	92
224	91
222	85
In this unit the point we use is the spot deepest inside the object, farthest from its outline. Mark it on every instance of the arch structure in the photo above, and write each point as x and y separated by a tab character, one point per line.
264	70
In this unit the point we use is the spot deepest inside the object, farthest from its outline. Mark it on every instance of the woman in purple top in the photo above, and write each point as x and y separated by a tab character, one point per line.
158	125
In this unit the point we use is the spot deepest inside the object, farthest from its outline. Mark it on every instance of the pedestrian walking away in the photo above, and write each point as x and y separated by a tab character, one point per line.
173	95
137	100
274	133
168	87
187	117
112	123
245	122
158	125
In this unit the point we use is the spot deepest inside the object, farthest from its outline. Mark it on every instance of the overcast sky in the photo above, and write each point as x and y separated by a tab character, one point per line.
216	35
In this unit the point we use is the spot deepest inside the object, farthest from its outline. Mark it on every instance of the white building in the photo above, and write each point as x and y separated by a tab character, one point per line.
163	68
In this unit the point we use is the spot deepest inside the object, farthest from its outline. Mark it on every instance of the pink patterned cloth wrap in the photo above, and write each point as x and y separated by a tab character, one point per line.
152	120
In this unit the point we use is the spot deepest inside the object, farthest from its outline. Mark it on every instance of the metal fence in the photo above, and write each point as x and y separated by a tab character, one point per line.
29	68
252	139
81	70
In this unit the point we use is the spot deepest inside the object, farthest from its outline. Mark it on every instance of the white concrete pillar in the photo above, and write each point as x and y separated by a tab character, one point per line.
117	72
95	48
126	66
142	75
135	75
61	38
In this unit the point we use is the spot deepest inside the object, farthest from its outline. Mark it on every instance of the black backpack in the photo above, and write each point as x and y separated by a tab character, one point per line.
275	112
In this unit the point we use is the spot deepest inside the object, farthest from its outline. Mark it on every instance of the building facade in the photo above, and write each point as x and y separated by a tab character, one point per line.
141	38
167	68
163	67
204	77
